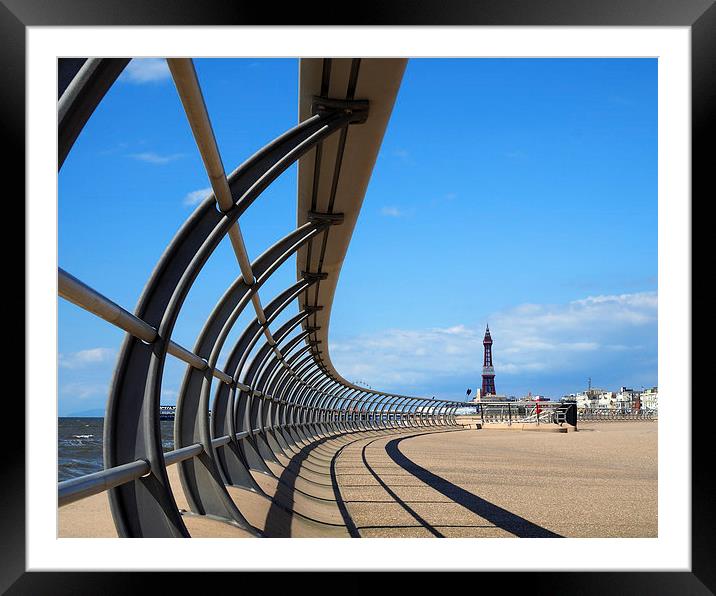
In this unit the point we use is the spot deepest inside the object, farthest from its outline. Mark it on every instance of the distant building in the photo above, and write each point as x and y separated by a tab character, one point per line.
628	400
481	397
530	397
607	399
624	400
650	399
589	398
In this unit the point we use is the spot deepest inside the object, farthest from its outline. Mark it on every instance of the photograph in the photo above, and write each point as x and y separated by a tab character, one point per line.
327	341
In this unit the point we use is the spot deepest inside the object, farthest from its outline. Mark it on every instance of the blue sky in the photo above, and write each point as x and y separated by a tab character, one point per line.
519	192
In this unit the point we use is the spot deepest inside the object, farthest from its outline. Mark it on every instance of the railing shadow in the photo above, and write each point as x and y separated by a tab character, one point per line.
422	521
519	526
277	525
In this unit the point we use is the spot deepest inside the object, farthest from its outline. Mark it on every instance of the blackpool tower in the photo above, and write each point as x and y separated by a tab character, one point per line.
488	372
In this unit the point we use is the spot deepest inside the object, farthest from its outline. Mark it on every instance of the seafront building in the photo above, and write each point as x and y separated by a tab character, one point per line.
650	398
626	399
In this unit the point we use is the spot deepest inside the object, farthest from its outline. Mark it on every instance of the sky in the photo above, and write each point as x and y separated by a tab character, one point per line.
516	192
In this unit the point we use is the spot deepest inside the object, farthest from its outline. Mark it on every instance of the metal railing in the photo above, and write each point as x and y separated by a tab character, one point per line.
519	412
547	412
616	414
276	391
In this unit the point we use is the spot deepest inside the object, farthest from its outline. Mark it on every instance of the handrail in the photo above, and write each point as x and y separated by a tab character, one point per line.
74	489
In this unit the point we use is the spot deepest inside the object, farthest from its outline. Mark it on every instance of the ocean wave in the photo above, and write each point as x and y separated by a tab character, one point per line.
79	445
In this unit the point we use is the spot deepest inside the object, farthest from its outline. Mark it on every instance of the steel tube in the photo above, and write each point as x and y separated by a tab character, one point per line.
192	99
83	85
75	489
85	486
72	289
183	453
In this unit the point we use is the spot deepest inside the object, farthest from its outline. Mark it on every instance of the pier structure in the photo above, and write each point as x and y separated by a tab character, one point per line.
278	405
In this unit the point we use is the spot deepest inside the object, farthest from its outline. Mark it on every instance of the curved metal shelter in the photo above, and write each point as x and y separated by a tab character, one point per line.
278	391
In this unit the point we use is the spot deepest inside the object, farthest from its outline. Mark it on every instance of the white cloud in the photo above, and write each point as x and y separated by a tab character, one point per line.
457	330
85	358
530	338
391	211
155	158
146	70
646	299
197	196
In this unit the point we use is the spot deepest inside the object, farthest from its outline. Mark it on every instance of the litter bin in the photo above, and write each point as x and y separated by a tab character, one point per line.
567	412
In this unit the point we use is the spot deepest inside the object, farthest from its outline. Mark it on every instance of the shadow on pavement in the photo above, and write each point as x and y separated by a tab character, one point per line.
502	518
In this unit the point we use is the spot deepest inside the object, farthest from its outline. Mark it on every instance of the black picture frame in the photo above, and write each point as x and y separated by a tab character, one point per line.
699	15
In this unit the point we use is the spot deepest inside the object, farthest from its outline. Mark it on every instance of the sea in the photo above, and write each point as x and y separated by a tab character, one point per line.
79	445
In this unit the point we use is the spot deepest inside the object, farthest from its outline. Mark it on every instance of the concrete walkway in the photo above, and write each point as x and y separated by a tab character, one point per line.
598	482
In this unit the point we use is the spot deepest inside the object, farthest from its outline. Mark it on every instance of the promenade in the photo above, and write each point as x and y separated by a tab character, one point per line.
598	482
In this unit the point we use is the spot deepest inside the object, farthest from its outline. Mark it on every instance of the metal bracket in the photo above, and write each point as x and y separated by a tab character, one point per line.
357	108
333	219
312	309
313	276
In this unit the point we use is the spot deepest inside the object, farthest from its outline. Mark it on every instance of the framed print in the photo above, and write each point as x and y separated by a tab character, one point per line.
534	166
